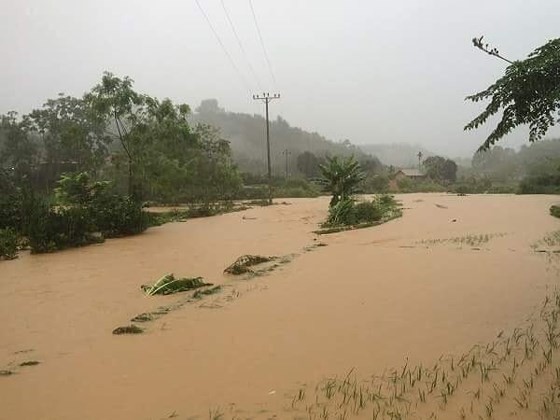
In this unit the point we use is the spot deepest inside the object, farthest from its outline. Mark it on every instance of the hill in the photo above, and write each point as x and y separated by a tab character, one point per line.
246	134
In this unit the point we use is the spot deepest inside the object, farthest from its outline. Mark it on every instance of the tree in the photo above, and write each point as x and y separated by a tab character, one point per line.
498	163
440	169
528	93
342	177
115	99
18	151
308	164
73	135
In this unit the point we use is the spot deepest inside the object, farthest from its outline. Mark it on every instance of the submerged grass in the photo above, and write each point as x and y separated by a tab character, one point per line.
494	381
469	240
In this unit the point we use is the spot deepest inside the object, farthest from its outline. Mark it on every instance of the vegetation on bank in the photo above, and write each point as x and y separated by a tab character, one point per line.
342	178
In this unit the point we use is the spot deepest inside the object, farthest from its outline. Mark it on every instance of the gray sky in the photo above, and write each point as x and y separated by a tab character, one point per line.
370	71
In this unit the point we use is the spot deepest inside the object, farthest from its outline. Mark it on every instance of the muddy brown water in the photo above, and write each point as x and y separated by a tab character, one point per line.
371	298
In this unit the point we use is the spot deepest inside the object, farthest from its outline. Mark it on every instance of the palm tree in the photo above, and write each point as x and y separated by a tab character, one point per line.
341	177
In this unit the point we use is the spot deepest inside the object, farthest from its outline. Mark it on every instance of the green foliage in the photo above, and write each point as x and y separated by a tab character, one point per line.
256	187
407	185
528	93
342	177
440	169
308	164
8	243
17	148
349	213
78	190
168	285
555	211
71	132
375	184
246	134
244	263
366	212
115	215
541	184
341	213
53	229
85	213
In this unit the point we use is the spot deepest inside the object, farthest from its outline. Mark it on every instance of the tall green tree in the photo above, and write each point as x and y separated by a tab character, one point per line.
116	100
73	135
308	164
440	169
528	94
18	151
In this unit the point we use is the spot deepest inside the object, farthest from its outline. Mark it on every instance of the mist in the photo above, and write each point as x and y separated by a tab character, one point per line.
370	72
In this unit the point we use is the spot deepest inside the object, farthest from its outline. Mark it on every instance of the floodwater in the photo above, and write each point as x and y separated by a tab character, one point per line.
406	292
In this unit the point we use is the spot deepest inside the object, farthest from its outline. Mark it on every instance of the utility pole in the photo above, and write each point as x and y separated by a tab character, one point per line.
286	153
420	154
267	98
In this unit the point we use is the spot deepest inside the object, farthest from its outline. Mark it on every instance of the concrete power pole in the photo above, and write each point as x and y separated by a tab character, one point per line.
286	153
267	98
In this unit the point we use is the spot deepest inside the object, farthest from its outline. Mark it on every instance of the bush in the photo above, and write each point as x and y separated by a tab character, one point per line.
115	215
375	184
541	184
54	229
347	212
555	211
367	212
8	243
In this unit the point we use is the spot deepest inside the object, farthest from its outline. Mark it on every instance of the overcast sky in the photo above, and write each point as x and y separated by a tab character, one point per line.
370	71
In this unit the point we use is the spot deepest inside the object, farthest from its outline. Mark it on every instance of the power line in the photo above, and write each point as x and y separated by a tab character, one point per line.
262	42
232	26
223	47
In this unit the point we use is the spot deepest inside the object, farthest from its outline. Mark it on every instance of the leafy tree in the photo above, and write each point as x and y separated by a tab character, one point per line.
115	99
342	176
498	163
71	133
440	169
528	93
18	151
308	164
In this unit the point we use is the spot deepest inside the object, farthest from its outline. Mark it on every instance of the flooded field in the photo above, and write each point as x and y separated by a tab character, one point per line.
447	312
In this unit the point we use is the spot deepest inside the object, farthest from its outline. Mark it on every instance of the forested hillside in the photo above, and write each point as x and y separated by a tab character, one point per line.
246	134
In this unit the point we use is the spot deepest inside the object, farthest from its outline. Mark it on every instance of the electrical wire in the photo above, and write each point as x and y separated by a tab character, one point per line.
232	26
224	49
262	42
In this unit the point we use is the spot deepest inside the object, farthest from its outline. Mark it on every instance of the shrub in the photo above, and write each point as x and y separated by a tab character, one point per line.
115	215
555	211
540	184
341	213
348	213
54	229
367	212
8	243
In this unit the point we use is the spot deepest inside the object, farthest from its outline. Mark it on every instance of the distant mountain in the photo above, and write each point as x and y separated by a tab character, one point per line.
246	134
401	155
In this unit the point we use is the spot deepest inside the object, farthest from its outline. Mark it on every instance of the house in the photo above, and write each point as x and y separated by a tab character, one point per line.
413	174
